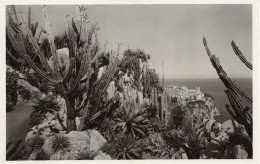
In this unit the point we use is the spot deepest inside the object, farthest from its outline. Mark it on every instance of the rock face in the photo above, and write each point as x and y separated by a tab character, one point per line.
89	141
96	140
102	156
215	147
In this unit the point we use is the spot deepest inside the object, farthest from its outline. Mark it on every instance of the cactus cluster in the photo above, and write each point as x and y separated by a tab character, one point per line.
79	86
239	111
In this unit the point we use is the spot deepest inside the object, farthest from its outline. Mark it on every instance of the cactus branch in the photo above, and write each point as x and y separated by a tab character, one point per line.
240	55
240	112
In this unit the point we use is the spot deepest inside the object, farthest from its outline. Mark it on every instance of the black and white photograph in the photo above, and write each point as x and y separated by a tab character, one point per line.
133	81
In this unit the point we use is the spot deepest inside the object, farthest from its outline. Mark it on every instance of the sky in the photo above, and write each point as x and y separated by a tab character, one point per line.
170	33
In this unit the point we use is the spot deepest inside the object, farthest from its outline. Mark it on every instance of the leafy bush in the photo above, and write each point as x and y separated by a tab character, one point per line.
24	93
60	142
11	89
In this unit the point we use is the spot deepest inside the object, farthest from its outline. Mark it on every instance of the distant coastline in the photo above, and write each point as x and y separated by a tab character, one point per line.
215	88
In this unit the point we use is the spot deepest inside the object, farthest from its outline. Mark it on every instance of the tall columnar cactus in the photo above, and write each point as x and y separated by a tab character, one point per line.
239	111
13	23
80	81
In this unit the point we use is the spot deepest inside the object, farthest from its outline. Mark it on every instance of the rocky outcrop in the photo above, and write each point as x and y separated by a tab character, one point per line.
79	144
221	145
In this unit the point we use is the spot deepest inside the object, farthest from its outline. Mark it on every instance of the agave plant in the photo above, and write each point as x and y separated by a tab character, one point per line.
154	144
60	142
132	118
47	104
127	147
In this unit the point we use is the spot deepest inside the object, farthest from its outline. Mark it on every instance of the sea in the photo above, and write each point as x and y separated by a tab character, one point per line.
215	88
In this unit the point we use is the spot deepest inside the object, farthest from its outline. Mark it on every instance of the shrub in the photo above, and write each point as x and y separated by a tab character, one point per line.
60	142
24	93
11	89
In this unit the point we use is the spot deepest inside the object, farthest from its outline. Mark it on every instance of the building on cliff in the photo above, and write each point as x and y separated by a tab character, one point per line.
184	93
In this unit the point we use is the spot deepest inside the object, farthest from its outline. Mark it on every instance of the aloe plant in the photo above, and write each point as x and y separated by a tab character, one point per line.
80	81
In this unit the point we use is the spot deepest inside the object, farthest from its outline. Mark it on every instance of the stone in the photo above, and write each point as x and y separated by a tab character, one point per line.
29	135
111	90
240	152
100	72
102	156
230	126
78	140
63	59
96	140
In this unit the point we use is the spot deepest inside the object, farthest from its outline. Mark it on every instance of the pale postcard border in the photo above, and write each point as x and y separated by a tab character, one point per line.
256	74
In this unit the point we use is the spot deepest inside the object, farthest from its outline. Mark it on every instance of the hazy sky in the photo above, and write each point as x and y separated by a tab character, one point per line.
172	33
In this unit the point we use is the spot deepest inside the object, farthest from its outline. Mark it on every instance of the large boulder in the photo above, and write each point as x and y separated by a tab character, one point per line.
102	156
96	140
86	141
231	126
63	60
